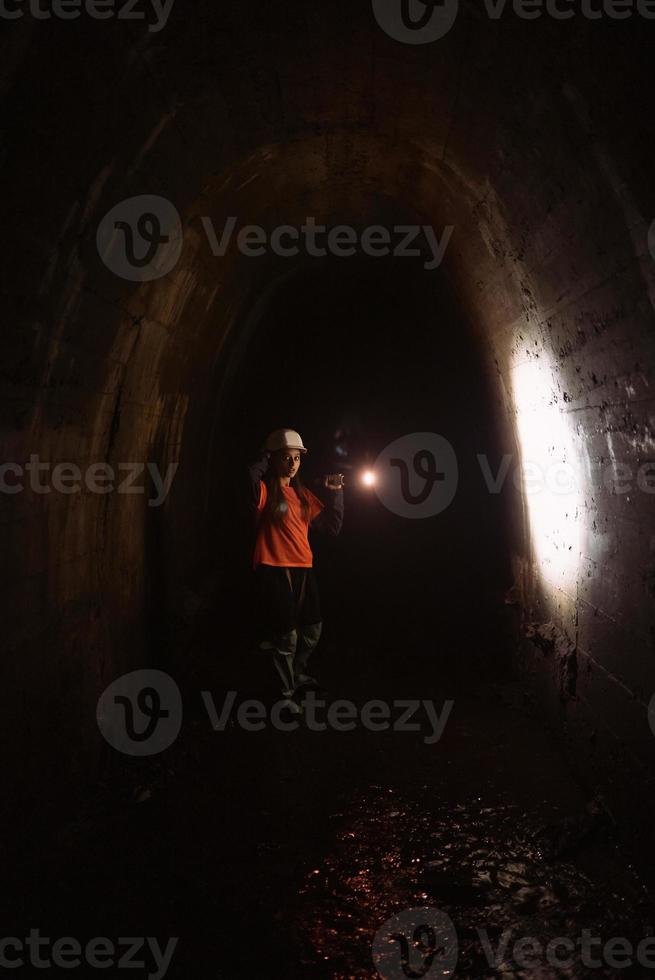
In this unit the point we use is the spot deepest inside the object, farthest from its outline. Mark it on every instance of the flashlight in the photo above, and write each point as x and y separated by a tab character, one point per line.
335	481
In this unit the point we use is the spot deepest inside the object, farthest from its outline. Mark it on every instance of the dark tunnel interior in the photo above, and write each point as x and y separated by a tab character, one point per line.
255	724
329	341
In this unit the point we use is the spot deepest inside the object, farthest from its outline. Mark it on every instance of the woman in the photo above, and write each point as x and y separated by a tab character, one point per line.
283	560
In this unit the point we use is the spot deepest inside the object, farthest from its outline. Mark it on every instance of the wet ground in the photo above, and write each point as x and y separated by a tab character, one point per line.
283	854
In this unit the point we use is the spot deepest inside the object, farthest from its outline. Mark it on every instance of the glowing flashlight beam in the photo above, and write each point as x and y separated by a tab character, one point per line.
548	445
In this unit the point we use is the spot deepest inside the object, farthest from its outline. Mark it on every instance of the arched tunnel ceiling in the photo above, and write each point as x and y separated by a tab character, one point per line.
298	108
311	105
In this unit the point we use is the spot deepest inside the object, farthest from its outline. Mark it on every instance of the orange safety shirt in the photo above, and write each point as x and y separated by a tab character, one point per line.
287	543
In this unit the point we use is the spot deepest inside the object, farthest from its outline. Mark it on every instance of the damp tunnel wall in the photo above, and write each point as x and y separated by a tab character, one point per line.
510	131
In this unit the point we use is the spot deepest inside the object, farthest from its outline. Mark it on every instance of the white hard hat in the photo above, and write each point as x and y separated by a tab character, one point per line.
284	439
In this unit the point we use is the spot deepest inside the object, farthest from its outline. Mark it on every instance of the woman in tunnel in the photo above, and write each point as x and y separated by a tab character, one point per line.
286	586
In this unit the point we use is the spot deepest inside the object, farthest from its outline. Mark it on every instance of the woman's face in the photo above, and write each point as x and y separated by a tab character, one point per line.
287	462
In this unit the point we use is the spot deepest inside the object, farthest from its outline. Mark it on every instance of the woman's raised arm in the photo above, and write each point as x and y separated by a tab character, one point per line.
330	519
256	471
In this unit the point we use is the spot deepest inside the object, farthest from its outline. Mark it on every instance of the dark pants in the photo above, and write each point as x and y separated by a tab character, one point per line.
290	620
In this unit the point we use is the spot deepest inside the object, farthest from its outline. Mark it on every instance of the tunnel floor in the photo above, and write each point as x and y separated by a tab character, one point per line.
282	853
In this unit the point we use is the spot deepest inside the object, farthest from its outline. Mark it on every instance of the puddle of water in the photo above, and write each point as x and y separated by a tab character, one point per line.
483	866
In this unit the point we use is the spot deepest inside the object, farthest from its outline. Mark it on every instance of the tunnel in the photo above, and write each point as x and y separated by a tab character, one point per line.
421	236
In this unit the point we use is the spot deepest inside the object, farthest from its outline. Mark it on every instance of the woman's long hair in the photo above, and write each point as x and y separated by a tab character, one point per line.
275	506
